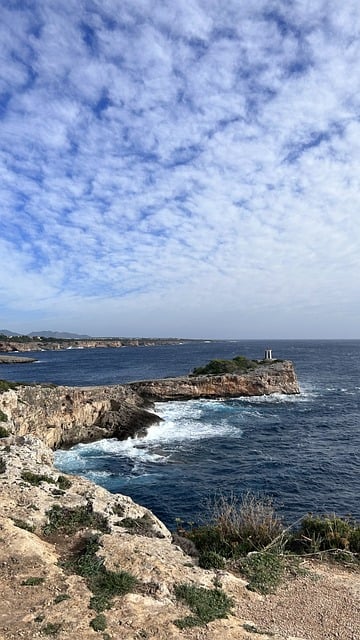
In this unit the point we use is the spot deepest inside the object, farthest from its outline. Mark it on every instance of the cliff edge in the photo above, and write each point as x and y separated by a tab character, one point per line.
79	562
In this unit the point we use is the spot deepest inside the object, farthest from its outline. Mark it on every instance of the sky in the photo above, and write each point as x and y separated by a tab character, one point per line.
185	168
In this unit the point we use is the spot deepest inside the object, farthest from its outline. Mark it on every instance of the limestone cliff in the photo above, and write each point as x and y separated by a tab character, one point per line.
278	377
68	415
43	593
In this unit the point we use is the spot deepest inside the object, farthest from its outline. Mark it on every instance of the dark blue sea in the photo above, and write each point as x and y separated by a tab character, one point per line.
301	450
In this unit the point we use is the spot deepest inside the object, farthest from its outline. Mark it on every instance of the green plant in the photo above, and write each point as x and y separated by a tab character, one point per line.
2	465
239	364
36	478
5	385
211	560
33	581
23	525
324	533
99	623
141	526
64	483
4	433
206	604
51	629
264	570
103	583
61	597
67	520
3	416
235	528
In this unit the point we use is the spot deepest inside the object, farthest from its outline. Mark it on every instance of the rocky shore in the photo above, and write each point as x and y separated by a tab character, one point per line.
15	359
48	522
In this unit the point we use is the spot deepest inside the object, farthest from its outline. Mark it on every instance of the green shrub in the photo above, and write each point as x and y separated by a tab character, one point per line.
236	527
99	623
23	525
67	520
36	478
141	526
239	364
64	483
103	583
263	570
4	433
354	540
206	604
324	533
211	560
3	416
51	629
5	385
61	597
33	581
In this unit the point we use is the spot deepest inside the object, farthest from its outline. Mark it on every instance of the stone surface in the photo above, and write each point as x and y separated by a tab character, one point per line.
278	377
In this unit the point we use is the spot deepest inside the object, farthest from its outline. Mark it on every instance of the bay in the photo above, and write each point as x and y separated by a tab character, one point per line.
302	450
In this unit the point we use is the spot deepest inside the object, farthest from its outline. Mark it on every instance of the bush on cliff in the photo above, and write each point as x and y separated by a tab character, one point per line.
239	364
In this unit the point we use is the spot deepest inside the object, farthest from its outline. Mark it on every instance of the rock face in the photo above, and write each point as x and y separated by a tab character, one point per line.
42	592
69	415
279	377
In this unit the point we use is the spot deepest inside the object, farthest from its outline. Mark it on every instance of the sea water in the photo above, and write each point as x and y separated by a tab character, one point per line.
301	450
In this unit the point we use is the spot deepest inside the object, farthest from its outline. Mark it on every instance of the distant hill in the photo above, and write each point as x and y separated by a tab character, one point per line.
46	334
59	334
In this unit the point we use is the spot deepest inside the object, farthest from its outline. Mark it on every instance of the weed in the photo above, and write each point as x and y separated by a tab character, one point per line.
23	525
4	433
64	483
264	571
99	623
39	618
66	520
141	526
33	581
235	528
3	416
324	533
206	604
118	509
2	465
51	629
61	597
36	478
211	560
5	385
103	583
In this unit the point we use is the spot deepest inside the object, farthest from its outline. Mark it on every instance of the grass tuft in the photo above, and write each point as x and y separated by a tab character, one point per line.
66	520
36	479
33	581
206	604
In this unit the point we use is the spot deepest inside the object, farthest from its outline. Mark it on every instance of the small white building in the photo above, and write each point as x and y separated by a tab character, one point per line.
268	354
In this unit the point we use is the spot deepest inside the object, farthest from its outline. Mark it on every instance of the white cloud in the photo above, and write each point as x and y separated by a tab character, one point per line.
171	168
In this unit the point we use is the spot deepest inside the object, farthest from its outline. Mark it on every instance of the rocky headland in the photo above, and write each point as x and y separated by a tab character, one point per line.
67	545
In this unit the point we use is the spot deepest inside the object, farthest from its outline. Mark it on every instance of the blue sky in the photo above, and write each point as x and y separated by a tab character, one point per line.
180	168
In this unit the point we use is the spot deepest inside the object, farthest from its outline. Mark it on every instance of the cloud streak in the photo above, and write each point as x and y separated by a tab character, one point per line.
180	168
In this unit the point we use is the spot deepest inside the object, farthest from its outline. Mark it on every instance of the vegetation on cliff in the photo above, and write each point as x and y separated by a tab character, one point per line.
247	536
239	364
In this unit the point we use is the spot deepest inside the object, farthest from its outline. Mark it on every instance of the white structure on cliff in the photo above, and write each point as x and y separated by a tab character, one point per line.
268	354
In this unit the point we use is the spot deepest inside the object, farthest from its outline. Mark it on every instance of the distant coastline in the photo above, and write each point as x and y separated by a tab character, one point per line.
26	343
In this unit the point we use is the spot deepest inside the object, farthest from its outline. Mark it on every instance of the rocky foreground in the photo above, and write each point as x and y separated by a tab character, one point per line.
43	595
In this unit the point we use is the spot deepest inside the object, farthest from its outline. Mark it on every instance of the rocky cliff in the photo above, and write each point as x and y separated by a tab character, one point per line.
68	415
69	548
279	377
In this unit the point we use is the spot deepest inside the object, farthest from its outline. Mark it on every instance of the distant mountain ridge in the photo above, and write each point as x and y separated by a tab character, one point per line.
47	334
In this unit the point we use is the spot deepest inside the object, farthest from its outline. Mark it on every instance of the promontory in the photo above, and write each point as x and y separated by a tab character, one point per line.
79	562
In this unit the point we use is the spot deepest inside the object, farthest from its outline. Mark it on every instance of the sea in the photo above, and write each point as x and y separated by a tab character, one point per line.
302	451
